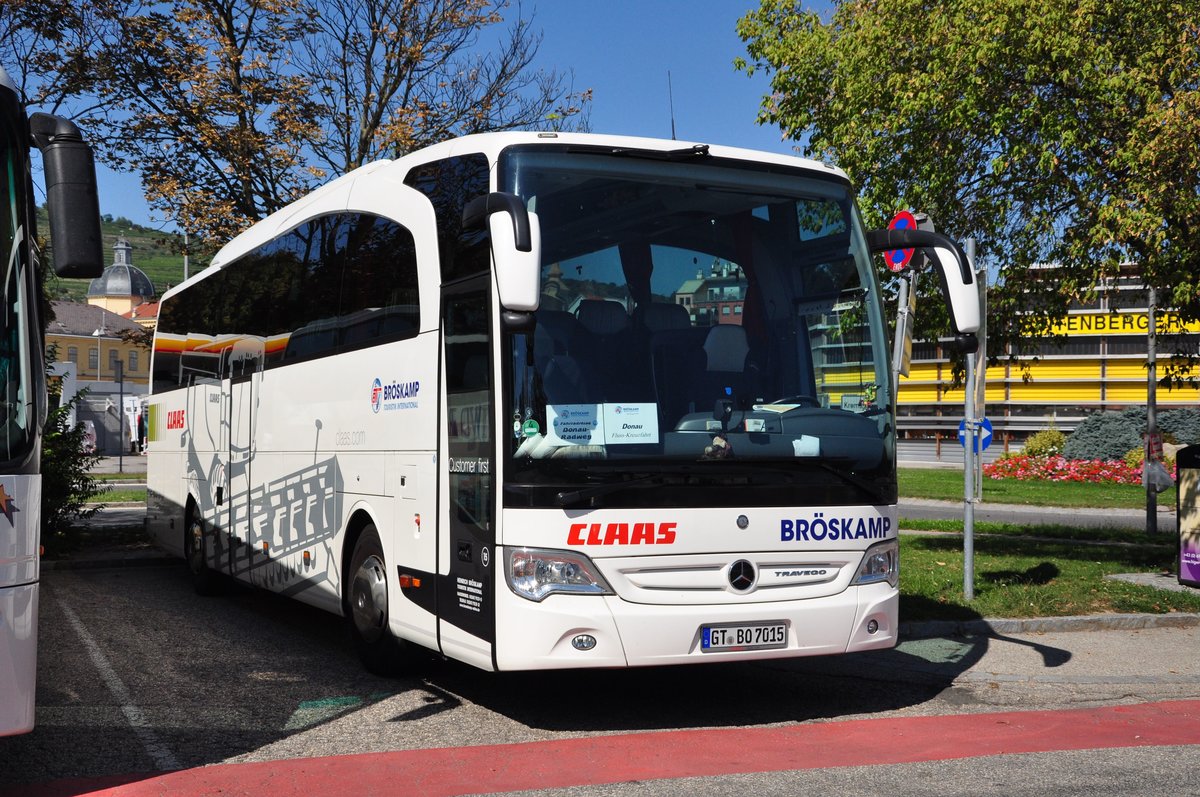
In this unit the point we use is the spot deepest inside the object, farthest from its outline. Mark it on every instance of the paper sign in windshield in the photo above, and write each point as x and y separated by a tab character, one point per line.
601	424
630	423
574	424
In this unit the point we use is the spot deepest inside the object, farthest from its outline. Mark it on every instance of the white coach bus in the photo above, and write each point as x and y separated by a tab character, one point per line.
537	400
75	232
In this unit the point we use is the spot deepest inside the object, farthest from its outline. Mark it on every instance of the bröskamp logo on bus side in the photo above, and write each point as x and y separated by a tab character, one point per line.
394	395
376	395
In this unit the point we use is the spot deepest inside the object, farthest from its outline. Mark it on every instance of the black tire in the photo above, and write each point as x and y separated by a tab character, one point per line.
367	607
196	544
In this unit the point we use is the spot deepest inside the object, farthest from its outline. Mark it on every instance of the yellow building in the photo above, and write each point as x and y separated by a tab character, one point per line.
90	337
1101	365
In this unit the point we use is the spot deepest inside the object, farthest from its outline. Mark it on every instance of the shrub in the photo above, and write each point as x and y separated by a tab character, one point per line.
67	483
1110	435
1183	426
1046	443
1136	456
1107	435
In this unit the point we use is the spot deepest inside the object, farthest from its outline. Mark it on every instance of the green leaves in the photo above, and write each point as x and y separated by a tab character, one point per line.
1068	135
230	109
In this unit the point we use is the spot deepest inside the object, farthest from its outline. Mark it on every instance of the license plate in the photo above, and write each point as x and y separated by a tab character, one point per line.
746	636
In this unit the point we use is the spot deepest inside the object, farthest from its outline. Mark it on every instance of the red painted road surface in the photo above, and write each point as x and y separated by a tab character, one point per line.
668	754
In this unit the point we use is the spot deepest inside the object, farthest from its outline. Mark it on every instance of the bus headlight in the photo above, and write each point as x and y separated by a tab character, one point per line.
881	563
534	573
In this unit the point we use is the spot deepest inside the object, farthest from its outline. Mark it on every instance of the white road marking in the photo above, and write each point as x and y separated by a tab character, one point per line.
159	752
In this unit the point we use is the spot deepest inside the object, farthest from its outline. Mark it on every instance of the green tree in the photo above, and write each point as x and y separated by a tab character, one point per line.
1066	132
67	483
230	109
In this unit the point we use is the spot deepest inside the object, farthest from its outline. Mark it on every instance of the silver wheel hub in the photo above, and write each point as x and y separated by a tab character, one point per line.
368	599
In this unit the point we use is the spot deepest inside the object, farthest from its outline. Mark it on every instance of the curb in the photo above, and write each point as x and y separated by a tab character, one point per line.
1044	625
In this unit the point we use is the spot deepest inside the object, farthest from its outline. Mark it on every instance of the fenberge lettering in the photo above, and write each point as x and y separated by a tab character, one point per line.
621	534
834	528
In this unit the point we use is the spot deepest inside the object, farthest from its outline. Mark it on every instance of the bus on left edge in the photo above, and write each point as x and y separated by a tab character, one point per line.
70	182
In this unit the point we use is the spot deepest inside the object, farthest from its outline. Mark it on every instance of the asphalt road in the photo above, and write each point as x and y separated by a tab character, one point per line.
139	675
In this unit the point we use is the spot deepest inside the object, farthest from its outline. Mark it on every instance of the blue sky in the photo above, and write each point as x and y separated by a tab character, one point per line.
622	50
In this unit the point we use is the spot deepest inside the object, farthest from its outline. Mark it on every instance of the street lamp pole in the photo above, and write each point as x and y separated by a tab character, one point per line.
121	415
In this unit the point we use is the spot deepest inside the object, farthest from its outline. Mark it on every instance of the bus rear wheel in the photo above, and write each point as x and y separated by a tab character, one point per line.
367	612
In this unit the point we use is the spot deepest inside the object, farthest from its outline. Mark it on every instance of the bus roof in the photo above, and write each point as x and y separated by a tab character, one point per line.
335	195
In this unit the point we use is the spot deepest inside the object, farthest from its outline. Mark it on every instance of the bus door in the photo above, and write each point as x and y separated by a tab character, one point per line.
244	361
467	506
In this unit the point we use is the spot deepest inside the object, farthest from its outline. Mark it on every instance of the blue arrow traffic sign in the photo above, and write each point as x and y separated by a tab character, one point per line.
985	434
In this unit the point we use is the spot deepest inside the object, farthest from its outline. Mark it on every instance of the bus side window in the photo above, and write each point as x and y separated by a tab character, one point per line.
380	296
450	183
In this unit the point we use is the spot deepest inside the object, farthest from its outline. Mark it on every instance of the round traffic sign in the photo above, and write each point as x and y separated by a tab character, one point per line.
985	434
897	259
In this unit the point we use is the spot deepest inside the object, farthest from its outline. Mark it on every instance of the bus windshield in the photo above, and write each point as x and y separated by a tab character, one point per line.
16	421
695	310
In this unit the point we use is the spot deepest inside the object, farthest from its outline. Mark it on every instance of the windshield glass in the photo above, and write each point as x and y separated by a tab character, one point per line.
16	422
695	310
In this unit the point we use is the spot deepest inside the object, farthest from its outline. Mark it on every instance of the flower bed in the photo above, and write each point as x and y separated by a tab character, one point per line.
1061	469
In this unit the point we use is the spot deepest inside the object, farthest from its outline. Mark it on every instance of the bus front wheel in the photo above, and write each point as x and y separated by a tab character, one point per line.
195	549
367	612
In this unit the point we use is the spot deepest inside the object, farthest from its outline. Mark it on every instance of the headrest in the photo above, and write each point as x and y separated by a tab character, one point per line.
554	331
603	317
662	316
726	348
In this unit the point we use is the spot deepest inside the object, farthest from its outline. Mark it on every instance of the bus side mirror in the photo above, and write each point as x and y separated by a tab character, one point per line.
954	272
71	196
516	248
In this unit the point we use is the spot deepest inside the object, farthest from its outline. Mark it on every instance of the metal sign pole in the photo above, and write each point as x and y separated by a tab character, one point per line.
898	343
969	484
1151	411
970	441
980	366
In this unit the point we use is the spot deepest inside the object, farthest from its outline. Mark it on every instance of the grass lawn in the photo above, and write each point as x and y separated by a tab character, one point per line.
121	495
119	477
1019	577
1032	571
947	485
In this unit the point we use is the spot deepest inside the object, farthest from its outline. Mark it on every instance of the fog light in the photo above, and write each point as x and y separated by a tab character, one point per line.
872	626
584	642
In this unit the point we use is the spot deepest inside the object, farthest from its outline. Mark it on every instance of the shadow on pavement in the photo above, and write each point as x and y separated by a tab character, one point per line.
220	678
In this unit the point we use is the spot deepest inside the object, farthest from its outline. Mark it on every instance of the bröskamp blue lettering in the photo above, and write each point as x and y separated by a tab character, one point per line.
401	390
820	528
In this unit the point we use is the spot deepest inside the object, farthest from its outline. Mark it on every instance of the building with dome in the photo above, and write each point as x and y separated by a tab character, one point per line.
122	286
101	346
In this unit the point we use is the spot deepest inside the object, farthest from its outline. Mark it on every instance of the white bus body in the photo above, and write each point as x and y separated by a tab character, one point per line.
541	401
23	411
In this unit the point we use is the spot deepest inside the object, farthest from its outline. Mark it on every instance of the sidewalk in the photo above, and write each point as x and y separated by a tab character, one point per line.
132	464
